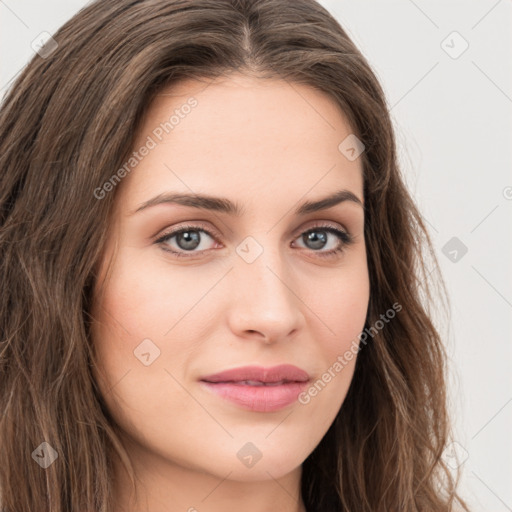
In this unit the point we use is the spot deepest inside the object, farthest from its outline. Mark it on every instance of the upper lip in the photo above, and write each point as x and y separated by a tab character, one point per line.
283	372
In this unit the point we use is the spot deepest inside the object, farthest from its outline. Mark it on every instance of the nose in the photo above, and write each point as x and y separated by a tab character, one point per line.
265	304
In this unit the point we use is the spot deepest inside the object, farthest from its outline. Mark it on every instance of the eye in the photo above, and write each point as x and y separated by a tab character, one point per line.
187	239
317	238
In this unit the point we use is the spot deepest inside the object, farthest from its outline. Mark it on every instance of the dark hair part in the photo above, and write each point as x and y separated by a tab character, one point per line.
66	125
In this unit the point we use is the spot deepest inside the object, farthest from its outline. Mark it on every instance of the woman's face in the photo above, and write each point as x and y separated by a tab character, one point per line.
259	288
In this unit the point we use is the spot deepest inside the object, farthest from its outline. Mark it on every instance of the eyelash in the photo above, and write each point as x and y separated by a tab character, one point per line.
345	238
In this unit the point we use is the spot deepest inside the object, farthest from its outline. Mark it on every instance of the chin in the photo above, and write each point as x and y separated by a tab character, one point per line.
269	470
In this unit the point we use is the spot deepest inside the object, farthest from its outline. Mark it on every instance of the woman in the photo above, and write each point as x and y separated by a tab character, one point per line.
212	272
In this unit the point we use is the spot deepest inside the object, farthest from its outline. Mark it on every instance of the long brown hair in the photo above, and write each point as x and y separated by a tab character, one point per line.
67	124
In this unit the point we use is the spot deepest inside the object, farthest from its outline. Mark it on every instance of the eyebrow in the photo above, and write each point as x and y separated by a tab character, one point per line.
224	205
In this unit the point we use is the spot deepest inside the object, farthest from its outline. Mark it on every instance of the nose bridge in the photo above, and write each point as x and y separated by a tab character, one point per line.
261	265
264	301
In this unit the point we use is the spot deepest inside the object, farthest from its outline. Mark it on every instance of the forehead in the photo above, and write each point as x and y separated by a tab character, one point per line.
245	136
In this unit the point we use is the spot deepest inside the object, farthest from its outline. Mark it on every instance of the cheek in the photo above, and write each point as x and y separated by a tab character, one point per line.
145	298
345	315
134	308
149	314
137	338
343	308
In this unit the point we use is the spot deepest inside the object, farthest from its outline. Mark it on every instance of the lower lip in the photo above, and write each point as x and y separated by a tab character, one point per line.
258	398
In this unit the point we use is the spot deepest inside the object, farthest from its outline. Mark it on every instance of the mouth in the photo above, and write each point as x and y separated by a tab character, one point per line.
253	382
254	375
258	389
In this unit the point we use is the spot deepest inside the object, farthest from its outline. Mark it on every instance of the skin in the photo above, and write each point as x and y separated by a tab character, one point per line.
268	146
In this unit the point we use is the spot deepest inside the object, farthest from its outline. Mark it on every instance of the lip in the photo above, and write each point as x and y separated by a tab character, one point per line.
257	388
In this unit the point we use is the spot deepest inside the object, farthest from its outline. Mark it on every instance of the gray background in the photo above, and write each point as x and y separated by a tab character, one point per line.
452	116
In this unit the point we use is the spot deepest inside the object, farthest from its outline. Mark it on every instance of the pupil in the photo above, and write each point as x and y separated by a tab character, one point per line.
190	238
318	241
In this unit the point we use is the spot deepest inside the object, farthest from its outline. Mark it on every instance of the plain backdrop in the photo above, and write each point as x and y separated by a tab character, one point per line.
446	68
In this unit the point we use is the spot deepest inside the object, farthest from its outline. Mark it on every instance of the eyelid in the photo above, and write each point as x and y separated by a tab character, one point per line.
198	224
191	225
319	223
